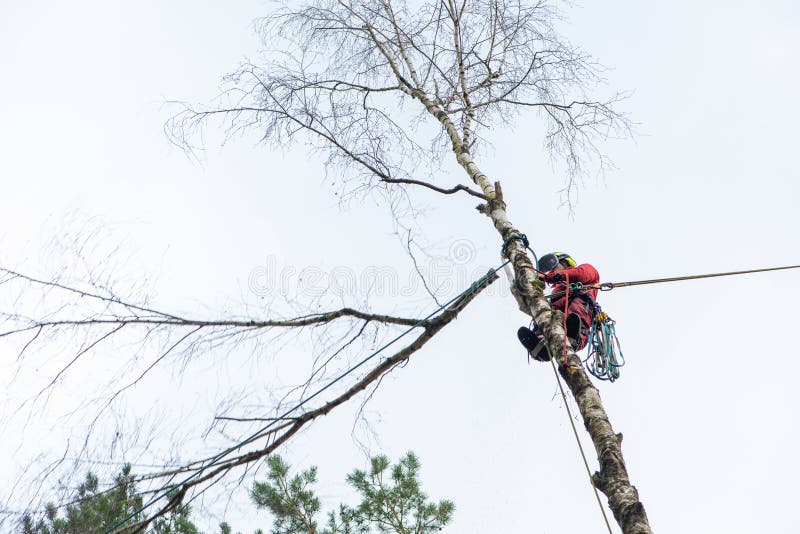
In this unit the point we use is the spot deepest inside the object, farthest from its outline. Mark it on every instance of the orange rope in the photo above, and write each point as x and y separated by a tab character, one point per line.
580	446
569	412
566	309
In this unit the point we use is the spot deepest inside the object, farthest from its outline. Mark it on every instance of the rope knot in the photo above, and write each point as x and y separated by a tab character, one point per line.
514	235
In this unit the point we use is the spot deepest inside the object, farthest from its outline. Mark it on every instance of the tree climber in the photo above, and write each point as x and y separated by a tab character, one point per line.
559	270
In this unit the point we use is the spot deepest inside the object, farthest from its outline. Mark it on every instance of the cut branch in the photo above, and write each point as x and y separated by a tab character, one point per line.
217	466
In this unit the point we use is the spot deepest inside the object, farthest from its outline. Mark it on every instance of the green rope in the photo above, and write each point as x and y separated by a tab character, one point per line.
514	236
604	356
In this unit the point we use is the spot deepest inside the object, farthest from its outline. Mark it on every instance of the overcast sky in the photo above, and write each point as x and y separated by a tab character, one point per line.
707	399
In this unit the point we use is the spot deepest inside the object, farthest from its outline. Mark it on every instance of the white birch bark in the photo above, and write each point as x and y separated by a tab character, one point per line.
612	479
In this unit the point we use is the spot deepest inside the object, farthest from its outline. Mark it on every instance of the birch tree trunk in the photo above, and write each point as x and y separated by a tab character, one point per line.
612	479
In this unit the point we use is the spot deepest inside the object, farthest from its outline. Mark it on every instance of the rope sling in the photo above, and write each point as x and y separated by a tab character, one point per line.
604	352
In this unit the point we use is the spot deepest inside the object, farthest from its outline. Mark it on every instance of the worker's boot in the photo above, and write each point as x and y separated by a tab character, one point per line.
533	341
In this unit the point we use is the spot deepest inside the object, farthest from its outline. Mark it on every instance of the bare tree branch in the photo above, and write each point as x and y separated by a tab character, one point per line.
392	96
217	466
450	191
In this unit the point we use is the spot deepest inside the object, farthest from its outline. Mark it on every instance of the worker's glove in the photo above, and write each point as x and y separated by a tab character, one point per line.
554	278
539	283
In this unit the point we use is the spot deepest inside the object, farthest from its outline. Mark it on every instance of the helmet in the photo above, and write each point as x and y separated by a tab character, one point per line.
548	262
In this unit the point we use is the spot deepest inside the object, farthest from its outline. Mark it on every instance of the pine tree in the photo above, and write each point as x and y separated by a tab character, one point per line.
92	510
392	501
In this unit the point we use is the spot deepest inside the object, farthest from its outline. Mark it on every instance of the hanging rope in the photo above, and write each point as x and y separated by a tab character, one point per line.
566	309
605	354
578	441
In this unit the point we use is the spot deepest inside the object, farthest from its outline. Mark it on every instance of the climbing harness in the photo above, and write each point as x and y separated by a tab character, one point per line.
603	352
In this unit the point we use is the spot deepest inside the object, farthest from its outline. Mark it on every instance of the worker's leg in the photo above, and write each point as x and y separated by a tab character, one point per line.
577	331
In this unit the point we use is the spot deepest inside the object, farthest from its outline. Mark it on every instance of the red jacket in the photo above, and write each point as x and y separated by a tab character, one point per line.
585	274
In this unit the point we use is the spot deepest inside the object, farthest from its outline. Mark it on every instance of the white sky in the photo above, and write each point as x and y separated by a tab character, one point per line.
707	401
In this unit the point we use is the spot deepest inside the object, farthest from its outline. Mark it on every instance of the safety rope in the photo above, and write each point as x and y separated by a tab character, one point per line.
168	489
566	309
608	286
578	441
569	411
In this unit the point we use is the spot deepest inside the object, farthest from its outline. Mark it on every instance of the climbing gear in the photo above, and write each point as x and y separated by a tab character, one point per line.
548	262
512	236
575	327
532	339
574	291
604	356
